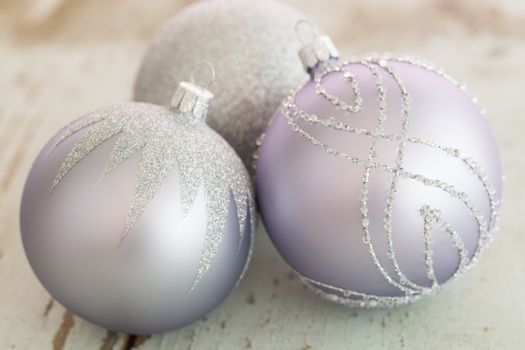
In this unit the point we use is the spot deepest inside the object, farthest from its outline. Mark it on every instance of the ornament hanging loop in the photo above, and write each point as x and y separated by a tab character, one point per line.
305	31
197	70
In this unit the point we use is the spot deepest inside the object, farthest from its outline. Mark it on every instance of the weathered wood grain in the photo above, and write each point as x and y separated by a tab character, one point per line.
80	55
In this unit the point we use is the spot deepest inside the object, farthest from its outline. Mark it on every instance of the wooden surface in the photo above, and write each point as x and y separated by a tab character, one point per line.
61	58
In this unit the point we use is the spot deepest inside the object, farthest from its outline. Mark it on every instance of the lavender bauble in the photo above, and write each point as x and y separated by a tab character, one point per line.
379	180
139	217
251	43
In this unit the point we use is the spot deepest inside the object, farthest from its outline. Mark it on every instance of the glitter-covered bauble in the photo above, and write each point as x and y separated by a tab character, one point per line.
378	180
138	217
253	46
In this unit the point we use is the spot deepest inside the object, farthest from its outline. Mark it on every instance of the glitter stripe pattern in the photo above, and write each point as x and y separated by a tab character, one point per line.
166	138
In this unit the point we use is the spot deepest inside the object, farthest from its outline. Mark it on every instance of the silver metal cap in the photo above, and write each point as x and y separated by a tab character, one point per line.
192	99
320	49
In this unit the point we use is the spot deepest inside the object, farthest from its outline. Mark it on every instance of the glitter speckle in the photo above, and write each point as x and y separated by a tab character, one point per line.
255	60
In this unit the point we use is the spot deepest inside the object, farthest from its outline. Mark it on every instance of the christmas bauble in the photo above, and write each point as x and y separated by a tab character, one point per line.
253	46
378	180
139	217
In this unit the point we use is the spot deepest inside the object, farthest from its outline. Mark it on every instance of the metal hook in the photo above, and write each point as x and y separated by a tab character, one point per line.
307	25
211	71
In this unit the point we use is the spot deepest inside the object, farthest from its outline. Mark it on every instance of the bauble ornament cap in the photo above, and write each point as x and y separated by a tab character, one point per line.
194	99
316	48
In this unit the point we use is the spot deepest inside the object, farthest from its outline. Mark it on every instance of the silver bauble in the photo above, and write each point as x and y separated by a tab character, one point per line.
253	46
138	217
379	180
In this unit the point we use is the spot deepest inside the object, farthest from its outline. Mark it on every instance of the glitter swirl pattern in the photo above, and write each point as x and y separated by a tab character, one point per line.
166	138
431	217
